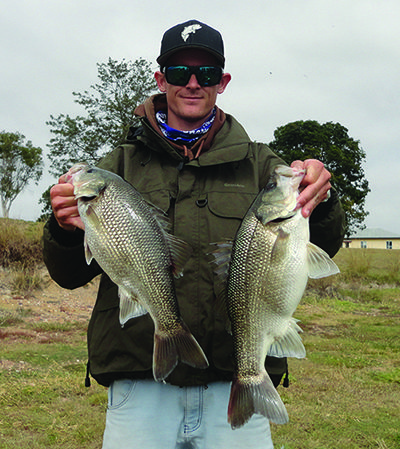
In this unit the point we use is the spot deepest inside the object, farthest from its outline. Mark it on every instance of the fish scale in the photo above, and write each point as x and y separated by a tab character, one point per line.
270	263
128	239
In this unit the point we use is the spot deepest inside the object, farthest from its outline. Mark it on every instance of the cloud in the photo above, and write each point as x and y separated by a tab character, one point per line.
290	60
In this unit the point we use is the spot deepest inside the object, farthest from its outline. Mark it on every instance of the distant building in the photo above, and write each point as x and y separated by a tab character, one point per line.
373	238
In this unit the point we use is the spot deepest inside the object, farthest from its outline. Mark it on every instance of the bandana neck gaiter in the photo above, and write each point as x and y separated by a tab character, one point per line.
185	137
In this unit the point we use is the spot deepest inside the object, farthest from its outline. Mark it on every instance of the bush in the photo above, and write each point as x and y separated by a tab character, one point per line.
20	243
25	281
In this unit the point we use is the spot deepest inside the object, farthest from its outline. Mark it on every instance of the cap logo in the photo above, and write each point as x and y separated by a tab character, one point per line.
191	29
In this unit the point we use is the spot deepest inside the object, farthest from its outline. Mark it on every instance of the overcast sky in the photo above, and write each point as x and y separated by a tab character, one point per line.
324	60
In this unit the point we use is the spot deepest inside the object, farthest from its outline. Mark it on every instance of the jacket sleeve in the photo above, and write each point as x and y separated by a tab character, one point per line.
63	251
64	256
327	225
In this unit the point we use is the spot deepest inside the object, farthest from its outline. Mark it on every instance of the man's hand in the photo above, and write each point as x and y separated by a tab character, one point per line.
314	186
65	206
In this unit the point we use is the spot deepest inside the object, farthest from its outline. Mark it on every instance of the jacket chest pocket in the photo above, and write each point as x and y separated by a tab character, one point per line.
225	212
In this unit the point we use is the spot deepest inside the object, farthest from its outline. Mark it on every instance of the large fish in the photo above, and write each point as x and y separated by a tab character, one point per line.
129	240
268	269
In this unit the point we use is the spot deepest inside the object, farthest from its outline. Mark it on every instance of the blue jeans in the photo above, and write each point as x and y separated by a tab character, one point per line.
148	415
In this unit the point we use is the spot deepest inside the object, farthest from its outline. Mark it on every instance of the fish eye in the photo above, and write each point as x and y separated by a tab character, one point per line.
271	186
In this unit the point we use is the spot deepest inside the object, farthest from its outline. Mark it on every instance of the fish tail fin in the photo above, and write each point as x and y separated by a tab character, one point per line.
170	348
290	344
250	397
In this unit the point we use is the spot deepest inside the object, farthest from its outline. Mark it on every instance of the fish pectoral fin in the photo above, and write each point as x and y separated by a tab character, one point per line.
290	344
95	223
280	248
129	307
88	253
180	253
320	264
92	217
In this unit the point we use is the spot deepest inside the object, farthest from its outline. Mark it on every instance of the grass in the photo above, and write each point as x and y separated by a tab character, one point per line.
43	400
345	394
369	265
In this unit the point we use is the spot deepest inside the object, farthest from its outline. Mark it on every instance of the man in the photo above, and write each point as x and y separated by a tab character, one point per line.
197	164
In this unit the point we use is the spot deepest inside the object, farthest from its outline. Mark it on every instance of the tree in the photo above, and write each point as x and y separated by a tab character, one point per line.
109	112
20	163
109	107
341	154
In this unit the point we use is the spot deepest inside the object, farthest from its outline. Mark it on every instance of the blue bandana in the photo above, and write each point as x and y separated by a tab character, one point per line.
183	136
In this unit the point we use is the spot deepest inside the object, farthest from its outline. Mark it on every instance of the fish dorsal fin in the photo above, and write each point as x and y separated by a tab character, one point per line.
179	250
319	263
161	217
88	253
222	259
129	306
180	253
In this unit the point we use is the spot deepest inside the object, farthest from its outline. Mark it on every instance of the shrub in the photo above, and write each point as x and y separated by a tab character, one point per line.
20	243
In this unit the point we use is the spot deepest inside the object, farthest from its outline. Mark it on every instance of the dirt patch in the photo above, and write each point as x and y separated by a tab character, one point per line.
9	365
49	315
52	303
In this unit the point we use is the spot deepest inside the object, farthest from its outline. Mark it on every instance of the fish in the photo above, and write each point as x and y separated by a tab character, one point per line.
265	272
130	240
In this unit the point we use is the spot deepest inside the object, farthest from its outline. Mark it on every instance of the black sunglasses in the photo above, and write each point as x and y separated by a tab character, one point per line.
179	75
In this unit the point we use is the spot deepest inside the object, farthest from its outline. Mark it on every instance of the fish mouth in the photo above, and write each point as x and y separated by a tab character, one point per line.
75	170
84	188
281	219
85	191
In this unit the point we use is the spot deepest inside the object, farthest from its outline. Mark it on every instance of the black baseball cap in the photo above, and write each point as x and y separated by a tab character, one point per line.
192	34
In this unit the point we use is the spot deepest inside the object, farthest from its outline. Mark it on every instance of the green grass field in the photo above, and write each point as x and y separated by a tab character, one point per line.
344	395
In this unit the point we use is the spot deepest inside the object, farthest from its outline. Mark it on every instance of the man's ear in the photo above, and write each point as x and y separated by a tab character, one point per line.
226	77
161	81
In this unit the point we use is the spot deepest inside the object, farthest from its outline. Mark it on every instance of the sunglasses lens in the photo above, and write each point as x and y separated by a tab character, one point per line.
209	76
177	75
180	75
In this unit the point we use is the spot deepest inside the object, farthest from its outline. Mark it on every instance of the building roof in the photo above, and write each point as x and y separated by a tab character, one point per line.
375	233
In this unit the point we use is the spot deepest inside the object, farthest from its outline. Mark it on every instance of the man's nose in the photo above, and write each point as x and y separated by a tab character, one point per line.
193	83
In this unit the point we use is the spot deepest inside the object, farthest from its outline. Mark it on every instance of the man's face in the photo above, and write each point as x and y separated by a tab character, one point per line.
189	106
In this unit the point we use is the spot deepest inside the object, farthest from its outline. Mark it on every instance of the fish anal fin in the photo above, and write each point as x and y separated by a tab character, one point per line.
129	307
290	344
319	263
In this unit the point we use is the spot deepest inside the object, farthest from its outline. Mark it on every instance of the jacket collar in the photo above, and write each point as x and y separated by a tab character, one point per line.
226	141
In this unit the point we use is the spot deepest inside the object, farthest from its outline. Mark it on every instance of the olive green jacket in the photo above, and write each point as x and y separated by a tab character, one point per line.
205	199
